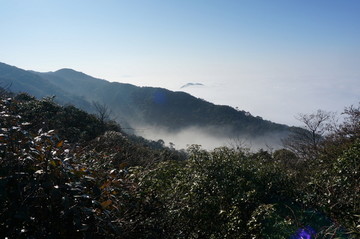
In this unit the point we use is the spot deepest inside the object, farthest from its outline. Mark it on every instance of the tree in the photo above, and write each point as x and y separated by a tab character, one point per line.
103	112
343	135
330	183
351	127
5	90
334	188
305	142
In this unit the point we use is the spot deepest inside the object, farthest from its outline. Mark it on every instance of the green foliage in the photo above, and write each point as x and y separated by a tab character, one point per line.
71	123
336	189
330	181
41	194
62	176
54	188
219	194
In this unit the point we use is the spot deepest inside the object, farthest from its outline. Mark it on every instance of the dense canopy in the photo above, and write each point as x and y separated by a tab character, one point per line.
67	174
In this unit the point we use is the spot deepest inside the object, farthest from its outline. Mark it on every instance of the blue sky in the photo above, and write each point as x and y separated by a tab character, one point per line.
274	58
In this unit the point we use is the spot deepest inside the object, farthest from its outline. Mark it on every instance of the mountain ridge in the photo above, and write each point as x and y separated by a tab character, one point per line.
135	106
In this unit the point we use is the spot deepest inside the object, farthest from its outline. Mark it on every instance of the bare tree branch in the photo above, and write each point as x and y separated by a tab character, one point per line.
305	142
102	111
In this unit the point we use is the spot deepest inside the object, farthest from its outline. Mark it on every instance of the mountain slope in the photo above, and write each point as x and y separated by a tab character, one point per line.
19	80
140	107
157	106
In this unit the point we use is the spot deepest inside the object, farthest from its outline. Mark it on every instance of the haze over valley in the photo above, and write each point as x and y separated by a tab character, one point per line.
181	119
177	118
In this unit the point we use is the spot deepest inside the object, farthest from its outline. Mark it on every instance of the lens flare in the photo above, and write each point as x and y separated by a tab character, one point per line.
304	233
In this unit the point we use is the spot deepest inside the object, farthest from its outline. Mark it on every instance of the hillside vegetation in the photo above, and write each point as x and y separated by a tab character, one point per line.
67	174
139	107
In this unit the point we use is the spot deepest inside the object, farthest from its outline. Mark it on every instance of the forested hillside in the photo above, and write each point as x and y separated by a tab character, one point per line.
67	174
137	107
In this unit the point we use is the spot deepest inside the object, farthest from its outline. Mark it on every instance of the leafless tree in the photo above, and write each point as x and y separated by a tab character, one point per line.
306	141
5	89
102	111
239	144
351	127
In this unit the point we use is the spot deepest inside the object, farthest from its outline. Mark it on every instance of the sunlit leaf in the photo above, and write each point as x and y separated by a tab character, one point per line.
106	203
105	185
39	171
60	144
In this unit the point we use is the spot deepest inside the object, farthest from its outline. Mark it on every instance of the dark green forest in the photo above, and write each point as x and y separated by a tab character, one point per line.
65	173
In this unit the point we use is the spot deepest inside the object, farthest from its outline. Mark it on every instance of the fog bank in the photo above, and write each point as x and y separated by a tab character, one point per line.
208	138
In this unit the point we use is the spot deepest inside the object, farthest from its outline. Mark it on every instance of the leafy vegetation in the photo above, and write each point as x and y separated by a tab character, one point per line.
54	187
68	174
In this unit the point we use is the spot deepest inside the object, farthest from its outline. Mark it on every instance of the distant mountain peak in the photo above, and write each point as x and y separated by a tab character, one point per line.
69	71
74	75
191	84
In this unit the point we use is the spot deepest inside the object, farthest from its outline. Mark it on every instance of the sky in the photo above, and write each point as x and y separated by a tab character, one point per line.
273	58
